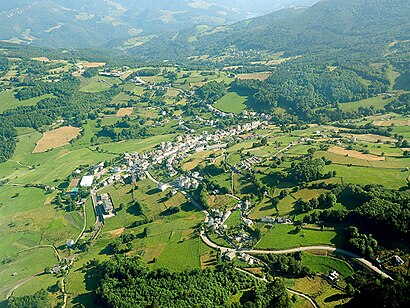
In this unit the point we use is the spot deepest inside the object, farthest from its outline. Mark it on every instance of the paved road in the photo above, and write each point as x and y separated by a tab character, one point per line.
349	254
151	177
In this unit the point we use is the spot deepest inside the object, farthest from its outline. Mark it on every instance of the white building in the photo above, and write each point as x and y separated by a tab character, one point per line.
87	181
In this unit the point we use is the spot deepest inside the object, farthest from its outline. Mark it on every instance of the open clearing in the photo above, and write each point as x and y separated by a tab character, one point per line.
232	102
394	122
259	76
377	102
117	232
56	138
355	154
42	59
123	112
92	64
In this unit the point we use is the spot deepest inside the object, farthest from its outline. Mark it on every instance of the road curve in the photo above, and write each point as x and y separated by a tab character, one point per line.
349	254
291	291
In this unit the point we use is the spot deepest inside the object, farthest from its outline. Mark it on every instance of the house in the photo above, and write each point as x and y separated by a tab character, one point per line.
70	243
229	255
399	261
333	276
106	203
162	187
87	181
269	220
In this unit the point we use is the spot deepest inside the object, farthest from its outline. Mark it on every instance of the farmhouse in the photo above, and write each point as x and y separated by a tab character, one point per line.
70	243
229	255
106	203
87	181
162	187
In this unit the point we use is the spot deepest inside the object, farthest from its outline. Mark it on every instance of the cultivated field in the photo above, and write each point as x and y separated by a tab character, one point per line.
56	138
355	154
123	112
258	76
92	64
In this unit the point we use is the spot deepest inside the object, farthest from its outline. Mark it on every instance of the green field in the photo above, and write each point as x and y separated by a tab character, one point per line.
378	102
391	178
97	83
8	101
26	264
232	102
284	236
325	264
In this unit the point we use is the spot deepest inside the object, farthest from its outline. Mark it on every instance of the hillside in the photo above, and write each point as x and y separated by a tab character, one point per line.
121	23
328	27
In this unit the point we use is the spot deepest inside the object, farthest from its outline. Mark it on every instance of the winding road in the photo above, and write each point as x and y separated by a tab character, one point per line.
349	254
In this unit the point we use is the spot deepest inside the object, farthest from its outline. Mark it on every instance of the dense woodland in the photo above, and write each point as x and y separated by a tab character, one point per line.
126	282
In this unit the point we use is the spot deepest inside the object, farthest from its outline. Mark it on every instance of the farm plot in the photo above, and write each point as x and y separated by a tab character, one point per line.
123	112
56	138
355	154
258	76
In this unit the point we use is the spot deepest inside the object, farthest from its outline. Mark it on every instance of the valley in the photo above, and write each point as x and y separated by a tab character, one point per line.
251	166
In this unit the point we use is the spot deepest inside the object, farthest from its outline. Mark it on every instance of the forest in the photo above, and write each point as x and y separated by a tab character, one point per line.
126	282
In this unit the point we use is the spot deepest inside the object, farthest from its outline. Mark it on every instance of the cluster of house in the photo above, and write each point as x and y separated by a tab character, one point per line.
220	113
185	182
171	153
137	80
115	73
248	163
333	276
278	220
216	219
230	255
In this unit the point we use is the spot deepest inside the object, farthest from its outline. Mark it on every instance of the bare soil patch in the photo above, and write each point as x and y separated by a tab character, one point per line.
123	112
93	64
117	232
75	182
56	138
355	154
259	76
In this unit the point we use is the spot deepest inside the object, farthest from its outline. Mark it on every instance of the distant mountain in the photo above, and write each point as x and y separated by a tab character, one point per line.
337	26
119	23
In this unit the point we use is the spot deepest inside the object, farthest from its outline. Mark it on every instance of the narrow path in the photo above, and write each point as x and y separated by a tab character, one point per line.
19	284
85	222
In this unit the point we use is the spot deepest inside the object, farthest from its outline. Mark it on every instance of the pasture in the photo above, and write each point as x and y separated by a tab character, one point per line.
281	236
391	178
232	102
377	102
325	264
8	101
